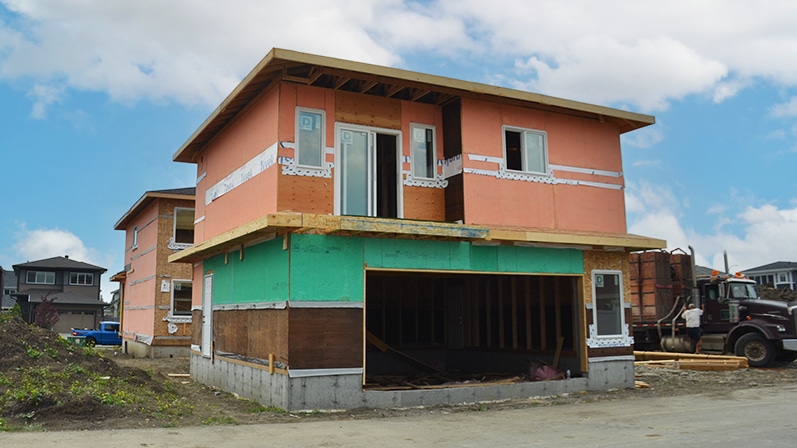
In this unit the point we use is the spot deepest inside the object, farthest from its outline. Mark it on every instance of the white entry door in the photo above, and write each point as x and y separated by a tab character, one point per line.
207	316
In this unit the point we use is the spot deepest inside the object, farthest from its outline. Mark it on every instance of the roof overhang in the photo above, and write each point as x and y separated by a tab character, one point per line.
142	202
338	74
270	226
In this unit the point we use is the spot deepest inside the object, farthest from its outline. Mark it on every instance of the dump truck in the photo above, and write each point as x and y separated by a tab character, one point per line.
735	319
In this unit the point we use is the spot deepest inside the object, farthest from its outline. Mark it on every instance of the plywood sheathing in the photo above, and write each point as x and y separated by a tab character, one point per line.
285	222
612	261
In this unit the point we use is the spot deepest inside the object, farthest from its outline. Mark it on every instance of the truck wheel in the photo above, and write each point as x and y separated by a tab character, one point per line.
758	350
91	342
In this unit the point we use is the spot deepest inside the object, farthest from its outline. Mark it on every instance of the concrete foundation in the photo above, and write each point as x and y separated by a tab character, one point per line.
141	350
336	392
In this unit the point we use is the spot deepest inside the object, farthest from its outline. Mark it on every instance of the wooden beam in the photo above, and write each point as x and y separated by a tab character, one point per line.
501	328
527	294
543	329
514	312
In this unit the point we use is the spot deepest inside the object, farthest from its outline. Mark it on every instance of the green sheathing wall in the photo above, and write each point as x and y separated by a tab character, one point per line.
329	268
262	276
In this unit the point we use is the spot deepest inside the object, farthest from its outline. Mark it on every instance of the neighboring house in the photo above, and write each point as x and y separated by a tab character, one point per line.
357	222
8	285
74	285
156	294
780	274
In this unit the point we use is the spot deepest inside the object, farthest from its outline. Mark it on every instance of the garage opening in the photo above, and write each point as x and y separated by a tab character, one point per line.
435	329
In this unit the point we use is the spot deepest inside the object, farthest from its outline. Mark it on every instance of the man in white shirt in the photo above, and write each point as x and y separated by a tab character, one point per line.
692	317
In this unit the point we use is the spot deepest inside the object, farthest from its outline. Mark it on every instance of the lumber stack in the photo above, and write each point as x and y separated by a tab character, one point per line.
690	361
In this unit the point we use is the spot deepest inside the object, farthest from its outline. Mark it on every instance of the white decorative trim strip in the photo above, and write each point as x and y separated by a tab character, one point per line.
195	348
438	182
200	219
612	358
281	305
178	319
575	169
201	176
291	168
594	341
480	158
452	166
250	169
140	307
178	246
480	172
309	304
304	373
143	280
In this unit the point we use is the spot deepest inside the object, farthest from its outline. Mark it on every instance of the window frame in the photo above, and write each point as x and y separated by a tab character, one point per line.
134	243
428	165
88	275
621	304
35	282
172	301
174	225
297	149
523	150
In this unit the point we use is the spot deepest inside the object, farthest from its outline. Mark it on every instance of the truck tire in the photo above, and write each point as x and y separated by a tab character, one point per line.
757	349
90	342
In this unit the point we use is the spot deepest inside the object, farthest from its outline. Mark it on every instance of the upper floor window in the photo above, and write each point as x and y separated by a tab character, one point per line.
40	278
423	152
181	297
135	238
81	278
9	291
526	150
183	225
309	138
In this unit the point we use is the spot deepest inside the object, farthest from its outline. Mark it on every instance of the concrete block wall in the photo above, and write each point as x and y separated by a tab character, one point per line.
336	392
611	373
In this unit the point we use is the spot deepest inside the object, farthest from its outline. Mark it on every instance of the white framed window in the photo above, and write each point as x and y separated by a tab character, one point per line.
181	297
135	238
81	278
310	132
40	278
183	226
526	150
423	151
782	277
608	309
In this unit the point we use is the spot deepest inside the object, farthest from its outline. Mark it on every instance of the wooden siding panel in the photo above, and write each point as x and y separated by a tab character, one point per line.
326	338
424	203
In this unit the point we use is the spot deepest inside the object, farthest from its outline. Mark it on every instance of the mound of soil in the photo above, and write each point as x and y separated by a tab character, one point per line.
165	397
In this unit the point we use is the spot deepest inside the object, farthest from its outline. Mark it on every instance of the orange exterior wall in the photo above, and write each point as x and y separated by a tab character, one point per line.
572	141
247	136
145	306
139	292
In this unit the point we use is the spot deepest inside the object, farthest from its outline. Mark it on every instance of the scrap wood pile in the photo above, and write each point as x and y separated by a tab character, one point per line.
689	361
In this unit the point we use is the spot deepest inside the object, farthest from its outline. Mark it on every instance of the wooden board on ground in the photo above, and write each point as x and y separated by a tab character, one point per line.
665	356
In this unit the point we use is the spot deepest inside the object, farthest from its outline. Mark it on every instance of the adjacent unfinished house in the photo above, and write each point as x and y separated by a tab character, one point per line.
155	295
366	235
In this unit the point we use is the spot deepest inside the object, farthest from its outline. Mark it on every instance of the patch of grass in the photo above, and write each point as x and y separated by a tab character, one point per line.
217	421
258	408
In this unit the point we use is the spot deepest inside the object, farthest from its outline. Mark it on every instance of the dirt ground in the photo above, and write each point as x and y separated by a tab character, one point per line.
164	397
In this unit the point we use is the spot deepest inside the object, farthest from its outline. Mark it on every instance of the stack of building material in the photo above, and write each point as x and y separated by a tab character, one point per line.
690	361
651	285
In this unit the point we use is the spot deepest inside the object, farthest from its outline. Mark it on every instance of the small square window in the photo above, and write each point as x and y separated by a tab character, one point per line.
309	138
181	297
183	225
526	150
423	152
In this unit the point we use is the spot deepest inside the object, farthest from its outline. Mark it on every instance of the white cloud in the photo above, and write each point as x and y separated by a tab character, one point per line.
196	51
43	96
787	109
40	244
767	233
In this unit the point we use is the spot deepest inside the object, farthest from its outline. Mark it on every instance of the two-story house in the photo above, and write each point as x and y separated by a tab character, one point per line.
73	286
356	223
780	274
155	295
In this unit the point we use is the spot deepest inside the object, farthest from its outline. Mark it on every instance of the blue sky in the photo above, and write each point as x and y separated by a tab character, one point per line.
96	96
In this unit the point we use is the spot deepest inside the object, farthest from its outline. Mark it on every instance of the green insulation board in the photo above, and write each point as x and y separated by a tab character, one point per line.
261	276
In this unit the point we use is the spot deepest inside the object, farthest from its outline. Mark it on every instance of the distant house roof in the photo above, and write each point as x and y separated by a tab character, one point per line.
58	263
386	82
776	266
61	297
188	193
702	271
